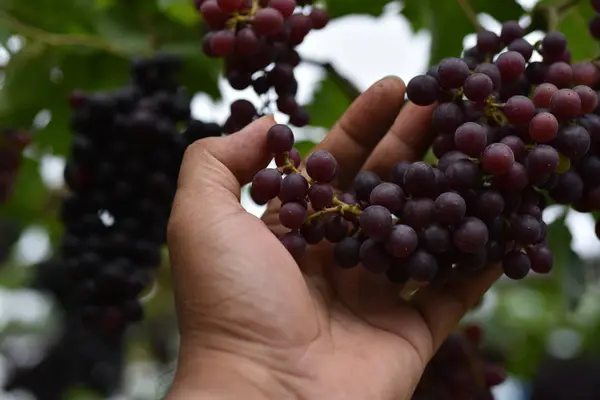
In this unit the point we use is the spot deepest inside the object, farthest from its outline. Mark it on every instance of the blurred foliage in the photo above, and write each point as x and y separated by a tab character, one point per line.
58	46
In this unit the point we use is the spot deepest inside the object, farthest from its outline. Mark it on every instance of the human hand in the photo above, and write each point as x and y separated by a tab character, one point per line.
254	323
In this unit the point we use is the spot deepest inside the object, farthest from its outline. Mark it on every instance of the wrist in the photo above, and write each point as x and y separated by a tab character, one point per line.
216	375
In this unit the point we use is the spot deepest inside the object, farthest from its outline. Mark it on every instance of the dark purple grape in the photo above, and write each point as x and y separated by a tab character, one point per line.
314	231
471	139
542	160
519	110
388	195
295	244
423	90
447	117
398	171
554	43
542	95
488	42
497	159
511	65
418	213
516	145
292	215
492	72
294	187
543	127
525	229
522	47
419	180
478	87
541	259
450	208
265	185
489	205
568	189
422	266
511	31
449	158
321	166
402	241
453	72
565	104
347	253
573	141
320	195
280	139
436	239
560	74
442	145
376	221
516	265
463	175
374	257
364	183
588	97
471	235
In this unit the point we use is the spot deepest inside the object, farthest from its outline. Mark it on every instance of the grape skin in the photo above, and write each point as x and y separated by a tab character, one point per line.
292	215
471	236
402	241
265	185
295	244
450	208
321	166
516	265
346	253
376	221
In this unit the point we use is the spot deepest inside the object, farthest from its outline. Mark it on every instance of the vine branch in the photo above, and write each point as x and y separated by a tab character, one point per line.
56	39
470	13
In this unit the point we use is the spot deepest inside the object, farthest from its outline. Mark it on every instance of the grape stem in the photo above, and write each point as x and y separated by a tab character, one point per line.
245	17
470	14
339	207
410	289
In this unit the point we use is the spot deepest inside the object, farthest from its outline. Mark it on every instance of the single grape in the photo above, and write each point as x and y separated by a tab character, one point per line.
376	221
374	257
294	187
423	90
488	42
588	97
542	95
364	183
519	110
418	213
471	235
436	239
589	170
346	253
453	72
449	158
471	139
554	43
450	208
585	73
422	266
321	166
492	72
320	195
285	7
573	141
419	180
516	265
591	123
489	205
294	243
230	5
542	160
522	47
336	228
267	22
398	171
568	189
402	241
388	195
292	215
443	185
280	139
565	104
516	145
511	31
222	43
314	231
526	229
560	74
536	72
478	87
511	65
463	175
543	127
497	159
319	18
541	259
265	185
447	117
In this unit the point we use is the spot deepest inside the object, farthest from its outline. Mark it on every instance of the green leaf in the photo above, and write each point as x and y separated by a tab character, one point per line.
304	147
449	22
329	103
182	11
339	8
29	196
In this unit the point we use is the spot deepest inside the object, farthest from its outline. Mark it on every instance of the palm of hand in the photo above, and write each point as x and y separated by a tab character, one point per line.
320	331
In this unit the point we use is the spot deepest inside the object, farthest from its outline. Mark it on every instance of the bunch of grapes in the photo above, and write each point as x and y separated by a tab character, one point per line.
257	39
460	370
122	174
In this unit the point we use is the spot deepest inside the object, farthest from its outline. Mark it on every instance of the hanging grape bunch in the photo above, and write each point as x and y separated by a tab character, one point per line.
257	39
127	148
510	136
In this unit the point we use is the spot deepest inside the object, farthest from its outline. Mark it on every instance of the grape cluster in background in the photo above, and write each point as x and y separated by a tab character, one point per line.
257	40
515	127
